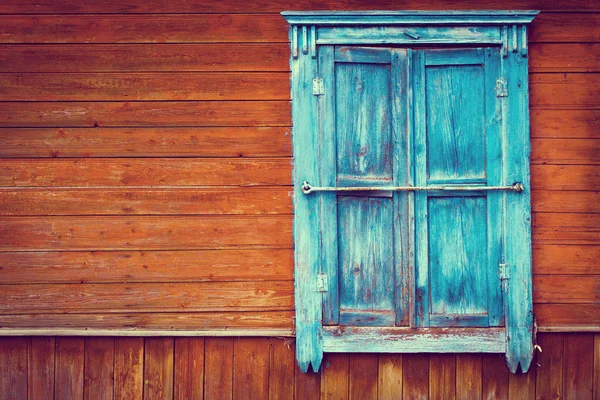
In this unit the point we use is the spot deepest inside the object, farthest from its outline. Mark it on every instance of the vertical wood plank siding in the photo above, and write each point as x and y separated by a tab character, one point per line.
145	163
263	368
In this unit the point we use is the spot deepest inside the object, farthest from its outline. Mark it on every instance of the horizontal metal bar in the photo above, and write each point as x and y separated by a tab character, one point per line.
307	188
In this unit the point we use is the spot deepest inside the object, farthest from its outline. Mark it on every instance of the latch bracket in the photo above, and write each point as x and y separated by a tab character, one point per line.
322	283
318	87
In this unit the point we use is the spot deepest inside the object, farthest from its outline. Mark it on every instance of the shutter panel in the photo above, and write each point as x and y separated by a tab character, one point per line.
364	143
458	234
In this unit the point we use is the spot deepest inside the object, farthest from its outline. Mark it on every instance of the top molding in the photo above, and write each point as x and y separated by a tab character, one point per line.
341	18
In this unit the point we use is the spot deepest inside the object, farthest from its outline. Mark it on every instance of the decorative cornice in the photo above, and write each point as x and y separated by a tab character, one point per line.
374	18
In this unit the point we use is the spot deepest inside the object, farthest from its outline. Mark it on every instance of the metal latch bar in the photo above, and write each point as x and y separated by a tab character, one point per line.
307	188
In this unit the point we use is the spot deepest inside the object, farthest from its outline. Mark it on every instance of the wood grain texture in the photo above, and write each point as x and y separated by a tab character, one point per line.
144	86
130	266
566	289
146	142
563	228
565	27
129	368
389	383
565	151
564	91
158	368
281	369
251	322
363	376
549	376
565	201
102	29
572	260
495	378
69	368
583	124
189	369
164	172
148	297
218	368
123	201
13	368
335	377
144	233
40	368
442	376
469	376
557	57
307	386
99	369
251	368
144	114
560	317
578	366
272	6
565	177
415	376
61	58
522	386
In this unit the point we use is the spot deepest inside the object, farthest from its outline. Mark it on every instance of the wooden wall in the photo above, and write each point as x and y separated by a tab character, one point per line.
263	368
145	163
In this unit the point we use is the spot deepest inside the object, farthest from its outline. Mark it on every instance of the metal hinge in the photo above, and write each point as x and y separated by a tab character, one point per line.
503	271
501	90
318	87
322	283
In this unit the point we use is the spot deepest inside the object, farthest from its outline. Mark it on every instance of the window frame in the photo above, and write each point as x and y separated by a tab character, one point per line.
504	29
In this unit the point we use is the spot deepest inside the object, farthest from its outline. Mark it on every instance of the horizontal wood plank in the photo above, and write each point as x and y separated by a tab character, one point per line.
565	201
224	28
544	57
566	289
146	297
145	86
584	124
144	114
275	6
560	91
566	228
123	201
144	172
572	260
564	57
145	266
146	142
196	28
222	321
567	316
565	151
565	177
144	57
565	27
143	233
548	90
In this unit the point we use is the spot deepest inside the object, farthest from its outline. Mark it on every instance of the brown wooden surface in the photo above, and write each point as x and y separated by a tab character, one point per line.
146	146
217	368
146	142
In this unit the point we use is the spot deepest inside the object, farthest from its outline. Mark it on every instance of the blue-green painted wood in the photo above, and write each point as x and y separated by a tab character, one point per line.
328	171
307	217
388	18
415	35
457	252
515	124
321	226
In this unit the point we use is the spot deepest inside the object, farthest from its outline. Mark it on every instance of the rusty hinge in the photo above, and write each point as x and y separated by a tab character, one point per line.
322	283
501	90
318	87
503	272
